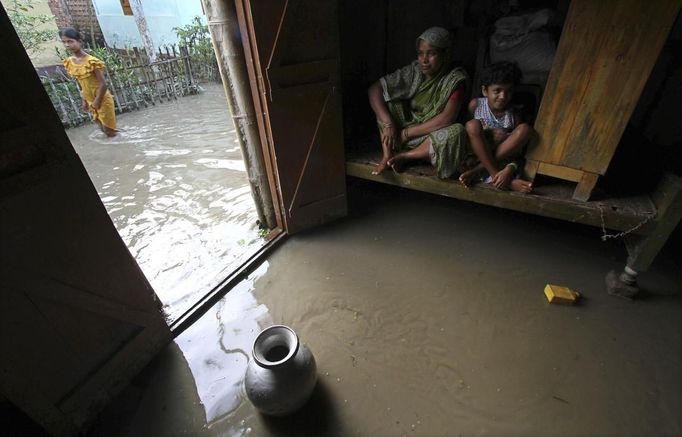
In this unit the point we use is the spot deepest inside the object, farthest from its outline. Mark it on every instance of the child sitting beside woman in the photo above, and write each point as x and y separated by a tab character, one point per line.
497	133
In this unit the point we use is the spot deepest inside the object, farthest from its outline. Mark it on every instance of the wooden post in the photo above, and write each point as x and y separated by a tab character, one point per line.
224	28
642	249
141	21
668	200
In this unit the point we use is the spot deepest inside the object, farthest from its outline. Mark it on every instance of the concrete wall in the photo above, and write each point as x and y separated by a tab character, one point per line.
162	16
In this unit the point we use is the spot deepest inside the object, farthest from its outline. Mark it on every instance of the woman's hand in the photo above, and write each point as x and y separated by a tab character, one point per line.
84	106
389	138
96	104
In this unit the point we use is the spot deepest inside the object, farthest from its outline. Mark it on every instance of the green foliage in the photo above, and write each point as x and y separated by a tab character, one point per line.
27	24
196	38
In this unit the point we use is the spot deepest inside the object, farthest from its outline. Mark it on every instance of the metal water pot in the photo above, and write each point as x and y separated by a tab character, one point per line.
281	374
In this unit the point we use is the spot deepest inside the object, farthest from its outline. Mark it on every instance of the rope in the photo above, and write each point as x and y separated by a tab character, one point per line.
605	236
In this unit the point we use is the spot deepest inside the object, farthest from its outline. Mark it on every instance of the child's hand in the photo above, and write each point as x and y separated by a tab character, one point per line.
503	177
499	135
84	106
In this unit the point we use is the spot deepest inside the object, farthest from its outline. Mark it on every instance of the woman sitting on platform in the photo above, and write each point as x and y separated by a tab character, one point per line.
417	105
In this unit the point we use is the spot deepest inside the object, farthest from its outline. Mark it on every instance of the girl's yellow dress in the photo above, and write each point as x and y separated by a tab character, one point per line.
84	73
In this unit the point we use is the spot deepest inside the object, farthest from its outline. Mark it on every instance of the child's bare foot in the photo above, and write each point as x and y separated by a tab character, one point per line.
381	166
467	177
521	186
469	162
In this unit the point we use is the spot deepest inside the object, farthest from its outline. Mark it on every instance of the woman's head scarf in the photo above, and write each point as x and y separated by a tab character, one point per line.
436	37
440	38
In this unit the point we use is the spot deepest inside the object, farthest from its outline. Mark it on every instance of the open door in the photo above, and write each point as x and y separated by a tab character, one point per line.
78	319
292	54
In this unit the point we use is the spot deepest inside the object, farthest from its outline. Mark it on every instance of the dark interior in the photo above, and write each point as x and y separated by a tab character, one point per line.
378	37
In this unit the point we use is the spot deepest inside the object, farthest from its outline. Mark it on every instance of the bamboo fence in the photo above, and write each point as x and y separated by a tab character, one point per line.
134	82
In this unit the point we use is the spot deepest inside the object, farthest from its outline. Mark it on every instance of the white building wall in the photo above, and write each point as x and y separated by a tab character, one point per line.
120	30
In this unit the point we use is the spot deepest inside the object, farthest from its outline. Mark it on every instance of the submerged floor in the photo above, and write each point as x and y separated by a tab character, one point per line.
427	317
174	183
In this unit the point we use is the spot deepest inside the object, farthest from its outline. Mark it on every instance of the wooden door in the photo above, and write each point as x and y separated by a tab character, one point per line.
605	55
77	317
292	54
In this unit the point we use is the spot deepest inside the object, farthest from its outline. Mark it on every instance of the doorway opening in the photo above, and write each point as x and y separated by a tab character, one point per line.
173	179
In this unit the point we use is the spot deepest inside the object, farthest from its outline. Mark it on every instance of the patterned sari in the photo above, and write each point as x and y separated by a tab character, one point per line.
413	99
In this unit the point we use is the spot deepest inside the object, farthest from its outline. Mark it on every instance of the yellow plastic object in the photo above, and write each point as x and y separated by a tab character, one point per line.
562	295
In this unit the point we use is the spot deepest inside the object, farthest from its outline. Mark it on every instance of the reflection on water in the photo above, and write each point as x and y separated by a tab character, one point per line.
175	186
218	346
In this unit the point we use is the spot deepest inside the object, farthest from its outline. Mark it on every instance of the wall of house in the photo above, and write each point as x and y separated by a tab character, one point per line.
162	16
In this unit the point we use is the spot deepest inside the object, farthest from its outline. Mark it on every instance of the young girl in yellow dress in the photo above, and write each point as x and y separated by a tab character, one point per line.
89	71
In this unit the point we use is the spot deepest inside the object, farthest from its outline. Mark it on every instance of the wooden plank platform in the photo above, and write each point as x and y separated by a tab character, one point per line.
550	200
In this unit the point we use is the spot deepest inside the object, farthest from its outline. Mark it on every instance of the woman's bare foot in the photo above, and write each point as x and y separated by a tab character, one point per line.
468	176
381	166
521	186
397	163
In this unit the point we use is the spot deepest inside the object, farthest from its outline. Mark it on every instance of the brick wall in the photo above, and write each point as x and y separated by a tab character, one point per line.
79	14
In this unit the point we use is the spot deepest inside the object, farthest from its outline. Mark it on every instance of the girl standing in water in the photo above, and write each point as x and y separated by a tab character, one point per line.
89	72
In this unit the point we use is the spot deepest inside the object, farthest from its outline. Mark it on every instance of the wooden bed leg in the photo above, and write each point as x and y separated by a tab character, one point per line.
642	249
530	170
623	285
584	189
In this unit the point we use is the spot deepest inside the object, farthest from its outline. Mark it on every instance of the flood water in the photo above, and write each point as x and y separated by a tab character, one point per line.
427	317
175	186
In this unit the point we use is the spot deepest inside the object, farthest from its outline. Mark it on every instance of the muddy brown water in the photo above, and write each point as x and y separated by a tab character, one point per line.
427	317
176	189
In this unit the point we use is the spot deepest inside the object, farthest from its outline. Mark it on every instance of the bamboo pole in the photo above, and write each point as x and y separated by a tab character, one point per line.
174	77
188	65
77	110
56	97
224	28
147	80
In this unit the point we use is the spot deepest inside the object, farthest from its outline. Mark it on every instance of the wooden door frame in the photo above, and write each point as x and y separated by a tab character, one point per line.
276	235
254	69
265	72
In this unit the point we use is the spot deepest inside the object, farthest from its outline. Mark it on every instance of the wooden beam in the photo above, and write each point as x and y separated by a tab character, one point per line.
599	214
560	171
